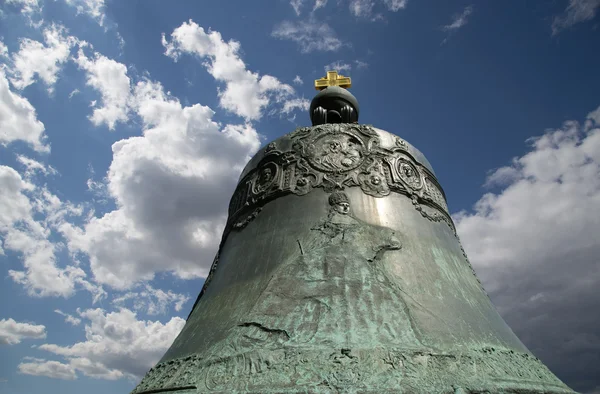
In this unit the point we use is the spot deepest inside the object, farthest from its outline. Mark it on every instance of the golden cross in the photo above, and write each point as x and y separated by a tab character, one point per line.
332	79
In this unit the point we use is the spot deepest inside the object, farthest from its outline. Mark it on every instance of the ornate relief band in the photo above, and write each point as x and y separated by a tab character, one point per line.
333	157
350	370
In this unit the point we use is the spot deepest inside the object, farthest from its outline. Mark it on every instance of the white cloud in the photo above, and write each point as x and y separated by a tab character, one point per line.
45	61
535	244
364	8
298	80
28	7
319	4
75	321
245	93
3	49
110	79
361	7
152	301
93	8
310	35
294	104
503	176
459	20
118	344
99	190
338	66
360	64
51	369
33	167
577	11
551	188
20	203
395	5
73	93
12	332
593	119
18	120
296	5
168	186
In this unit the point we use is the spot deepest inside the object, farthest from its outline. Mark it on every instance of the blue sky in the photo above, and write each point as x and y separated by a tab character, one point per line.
124	126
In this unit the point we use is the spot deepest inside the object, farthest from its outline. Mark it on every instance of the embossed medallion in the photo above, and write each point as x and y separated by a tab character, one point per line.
335	153
265	178
409	174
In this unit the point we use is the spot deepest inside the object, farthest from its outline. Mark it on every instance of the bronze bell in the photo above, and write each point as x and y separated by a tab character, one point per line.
340	271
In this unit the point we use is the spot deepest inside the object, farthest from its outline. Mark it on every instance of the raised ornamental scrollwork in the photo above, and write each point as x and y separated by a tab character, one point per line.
333	157
348	370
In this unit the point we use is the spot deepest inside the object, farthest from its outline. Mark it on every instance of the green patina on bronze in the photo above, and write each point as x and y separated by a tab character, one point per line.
340	272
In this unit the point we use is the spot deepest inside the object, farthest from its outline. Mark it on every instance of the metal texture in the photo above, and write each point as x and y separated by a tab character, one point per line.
334	105
340	271
333	79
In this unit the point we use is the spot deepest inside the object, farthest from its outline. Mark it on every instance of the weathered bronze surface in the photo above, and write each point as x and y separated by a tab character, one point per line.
340	271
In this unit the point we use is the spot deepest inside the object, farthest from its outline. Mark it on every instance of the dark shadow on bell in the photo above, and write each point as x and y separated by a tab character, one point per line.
334	117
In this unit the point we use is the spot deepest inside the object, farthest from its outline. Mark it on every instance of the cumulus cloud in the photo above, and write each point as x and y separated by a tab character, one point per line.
110	79
168	186
117	344
41	60
535	245
28	216
298	80
245	93
12	332
310	35
18	119
152	301
576	12
50	369
93	8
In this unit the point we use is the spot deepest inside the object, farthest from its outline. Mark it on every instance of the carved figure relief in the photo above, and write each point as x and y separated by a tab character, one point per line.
342	255
335	153
339	203
265	178
409	174
333	157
